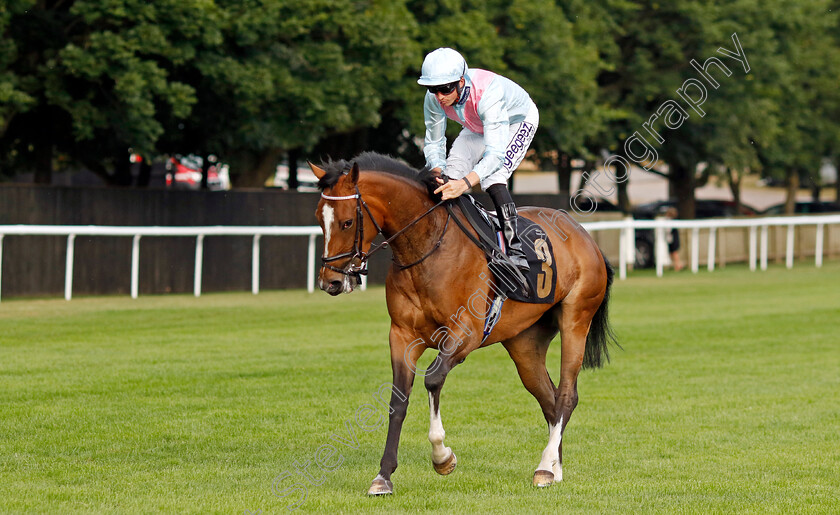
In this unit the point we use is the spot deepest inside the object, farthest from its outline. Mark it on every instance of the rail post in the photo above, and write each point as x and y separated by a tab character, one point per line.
658	250
199	261
68	268
622	254
135	266
695	249
789	247
818	259
1	266
712	248
255	264
310	265
764	247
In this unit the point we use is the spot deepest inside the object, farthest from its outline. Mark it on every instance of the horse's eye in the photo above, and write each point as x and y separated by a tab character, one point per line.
347	224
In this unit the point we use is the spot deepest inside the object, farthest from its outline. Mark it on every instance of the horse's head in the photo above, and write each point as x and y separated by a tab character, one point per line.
348	230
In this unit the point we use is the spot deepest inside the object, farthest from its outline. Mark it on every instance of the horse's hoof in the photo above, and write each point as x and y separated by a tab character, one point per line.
543	478
447	466
381	486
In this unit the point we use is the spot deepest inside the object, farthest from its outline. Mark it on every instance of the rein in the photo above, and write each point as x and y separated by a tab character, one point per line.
356	253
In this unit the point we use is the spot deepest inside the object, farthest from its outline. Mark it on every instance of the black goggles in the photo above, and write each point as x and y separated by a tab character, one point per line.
443	88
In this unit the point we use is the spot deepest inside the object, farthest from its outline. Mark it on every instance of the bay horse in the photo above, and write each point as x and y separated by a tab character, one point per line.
436	272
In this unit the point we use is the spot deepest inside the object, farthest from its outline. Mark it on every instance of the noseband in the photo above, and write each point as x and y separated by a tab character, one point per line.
357	271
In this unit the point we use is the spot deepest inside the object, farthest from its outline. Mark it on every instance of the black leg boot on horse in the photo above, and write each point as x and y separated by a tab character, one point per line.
506	210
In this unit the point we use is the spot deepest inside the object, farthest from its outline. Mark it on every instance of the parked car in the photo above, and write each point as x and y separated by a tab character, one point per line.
704	208
306	179
602	205
184	172
808	206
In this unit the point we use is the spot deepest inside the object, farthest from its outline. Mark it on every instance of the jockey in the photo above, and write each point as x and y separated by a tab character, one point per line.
499	120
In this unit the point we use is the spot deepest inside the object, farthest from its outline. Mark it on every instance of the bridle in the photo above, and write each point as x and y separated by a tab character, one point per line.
356	254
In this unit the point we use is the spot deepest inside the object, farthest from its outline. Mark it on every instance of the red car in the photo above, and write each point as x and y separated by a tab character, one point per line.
184	172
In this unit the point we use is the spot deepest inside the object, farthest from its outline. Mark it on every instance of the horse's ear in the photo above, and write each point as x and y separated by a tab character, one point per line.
317	170
354	173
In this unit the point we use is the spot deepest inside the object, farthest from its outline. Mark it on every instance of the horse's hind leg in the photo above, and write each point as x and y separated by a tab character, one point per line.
528	350
575	320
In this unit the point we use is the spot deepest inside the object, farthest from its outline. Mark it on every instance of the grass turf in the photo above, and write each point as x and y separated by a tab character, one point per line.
724	399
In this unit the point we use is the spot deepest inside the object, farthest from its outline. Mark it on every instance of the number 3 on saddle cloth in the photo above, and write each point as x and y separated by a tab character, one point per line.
535	243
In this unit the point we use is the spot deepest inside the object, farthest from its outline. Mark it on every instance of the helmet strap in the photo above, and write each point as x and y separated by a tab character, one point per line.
458	88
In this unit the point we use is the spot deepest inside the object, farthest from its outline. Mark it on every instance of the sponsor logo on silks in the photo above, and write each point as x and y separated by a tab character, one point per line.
464	96
519	143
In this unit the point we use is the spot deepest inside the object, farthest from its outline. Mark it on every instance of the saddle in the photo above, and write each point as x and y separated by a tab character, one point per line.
538	285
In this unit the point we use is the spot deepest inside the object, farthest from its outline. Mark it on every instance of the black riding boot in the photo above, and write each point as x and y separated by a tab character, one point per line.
507	219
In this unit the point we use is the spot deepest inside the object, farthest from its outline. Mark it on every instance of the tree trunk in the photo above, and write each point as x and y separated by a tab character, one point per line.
621	188
583	178
683	182
564	179
792	183
815	191
255	175
624	197
205	172
735	187
122	169
145	174
295	155
837	185
43	165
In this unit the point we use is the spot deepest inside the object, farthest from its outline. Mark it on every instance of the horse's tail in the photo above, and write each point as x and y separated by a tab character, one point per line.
600	334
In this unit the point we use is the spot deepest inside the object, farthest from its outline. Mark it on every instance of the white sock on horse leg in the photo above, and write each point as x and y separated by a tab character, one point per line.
551	454
436	434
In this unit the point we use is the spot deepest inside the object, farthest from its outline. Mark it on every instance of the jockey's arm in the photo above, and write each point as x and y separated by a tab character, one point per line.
456	188
434	147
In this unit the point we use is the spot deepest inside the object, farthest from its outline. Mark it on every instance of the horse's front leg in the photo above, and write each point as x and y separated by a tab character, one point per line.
453	350
404	356
443	458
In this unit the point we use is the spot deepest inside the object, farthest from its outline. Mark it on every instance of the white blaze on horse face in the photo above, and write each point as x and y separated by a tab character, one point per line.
436	434
551	455
328	215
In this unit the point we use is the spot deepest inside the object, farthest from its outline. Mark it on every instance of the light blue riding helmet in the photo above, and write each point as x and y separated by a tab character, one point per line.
442	66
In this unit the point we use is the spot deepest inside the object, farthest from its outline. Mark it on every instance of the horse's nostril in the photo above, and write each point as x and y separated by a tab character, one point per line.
336	285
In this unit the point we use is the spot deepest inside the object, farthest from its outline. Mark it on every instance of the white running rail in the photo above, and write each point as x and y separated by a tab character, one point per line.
758	243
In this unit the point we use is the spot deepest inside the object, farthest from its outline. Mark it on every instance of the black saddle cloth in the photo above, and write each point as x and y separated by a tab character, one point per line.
535	243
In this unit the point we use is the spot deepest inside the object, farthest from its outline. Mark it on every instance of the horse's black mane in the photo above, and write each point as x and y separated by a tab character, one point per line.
375	162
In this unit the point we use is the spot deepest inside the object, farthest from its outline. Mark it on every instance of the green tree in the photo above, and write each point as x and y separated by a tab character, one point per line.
765	110
804	87
290	74
551	51
463	25
244	80
652	46
539	45
13	98
97	79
